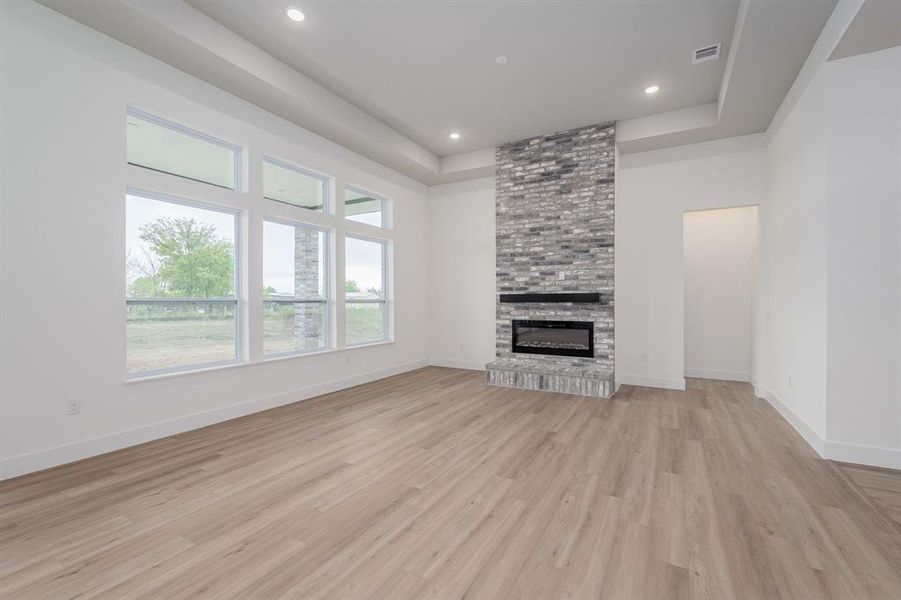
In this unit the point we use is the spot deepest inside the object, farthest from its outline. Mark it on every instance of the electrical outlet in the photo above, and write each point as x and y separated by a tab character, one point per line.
643	358
73	407
789	381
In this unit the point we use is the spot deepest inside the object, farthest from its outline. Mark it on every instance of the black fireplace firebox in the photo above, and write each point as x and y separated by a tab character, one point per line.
558	338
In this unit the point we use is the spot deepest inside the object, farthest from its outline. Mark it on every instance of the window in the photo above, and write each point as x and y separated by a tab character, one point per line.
295	288
293	185
160	145
181	275
364	207
365	290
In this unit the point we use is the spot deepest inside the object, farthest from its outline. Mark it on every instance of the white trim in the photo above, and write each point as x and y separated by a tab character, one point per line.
667	383
717	374
191	369
874	456
453	363
51	457
813	437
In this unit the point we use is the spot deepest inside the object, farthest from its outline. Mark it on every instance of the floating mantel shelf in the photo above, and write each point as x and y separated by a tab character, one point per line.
574	297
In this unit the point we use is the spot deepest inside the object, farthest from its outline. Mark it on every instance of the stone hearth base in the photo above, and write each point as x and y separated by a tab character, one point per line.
583	381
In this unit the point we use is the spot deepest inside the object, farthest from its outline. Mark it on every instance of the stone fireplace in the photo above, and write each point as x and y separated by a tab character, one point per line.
554	262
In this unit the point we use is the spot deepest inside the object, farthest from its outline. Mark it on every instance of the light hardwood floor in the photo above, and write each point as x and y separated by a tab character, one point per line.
433	485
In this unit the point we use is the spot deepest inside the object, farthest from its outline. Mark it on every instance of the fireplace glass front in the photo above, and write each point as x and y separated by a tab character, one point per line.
559	338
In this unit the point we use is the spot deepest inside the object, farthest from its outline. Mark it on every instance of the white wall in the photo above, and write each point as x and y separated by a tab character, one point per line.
64	95
462	289
654	190
864	258
794	245
720	264
833	241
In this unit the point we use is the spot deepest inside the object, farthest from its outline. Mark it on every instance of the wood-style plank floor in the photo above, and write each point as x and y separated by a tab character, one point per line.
433	485
882	487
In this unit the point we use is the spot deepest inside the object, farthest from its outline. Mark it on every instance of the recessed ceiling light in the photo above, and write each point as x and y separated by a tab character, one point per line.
501	60
295	14
454	136
651	89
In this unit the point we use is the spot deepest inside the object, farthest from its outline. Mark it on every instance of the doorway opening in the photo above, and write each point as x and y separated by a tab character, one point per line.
720	269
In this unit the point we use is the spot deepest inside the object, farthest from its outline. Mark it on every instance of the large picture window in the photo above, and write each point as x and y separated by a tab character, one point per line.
295	288
365	286
182	278
185	303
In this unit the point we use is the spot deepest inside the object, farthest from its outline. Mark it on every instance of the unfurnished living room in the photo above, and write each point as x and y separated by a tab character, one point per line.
484	299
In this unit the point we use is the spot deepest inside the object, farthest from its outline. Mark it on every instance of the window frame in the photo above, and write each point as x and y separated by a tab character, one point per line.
327	184
238	150
237	302
385	202
327	301
385	300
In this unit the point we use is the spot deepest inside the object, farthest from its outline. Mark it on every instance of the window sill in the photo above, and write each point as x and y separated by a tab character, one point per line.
368	344
288	356
189	371
240	364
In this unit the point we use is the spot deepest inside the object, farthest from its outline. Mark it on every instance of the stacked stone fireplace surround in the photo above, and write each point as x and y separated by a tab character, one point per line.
555	233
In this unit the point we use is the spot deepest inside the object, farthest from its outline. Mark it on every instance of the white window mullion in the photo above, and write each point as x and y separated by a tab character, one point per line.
253	251
388	282
339	270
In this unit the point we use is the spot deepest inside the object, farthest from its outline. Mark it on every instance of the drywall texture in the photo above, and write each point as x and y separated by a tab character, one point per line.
720	269
555	224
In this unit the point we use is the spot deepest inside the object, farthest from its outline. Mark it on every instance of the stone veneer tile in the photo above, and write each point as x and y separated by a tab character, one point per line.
555	227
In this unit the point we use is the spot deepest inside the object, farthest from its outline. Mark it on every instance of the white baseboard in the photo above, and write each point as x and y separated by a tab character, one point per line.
874	456
52	457
454	363
813	438
667	383
717	374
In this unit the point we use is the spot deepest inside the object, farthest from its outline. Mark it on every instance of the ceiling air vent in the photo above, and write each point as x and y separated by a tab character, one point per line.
705	54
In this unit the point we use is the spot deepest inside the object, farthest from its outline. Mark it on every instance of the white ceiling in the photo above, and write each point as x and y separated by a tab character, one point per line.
428	68
390	79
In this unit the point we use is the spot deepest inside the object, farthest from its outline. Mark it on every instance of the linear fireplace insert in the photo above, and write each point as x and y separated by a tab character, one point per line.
559	338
